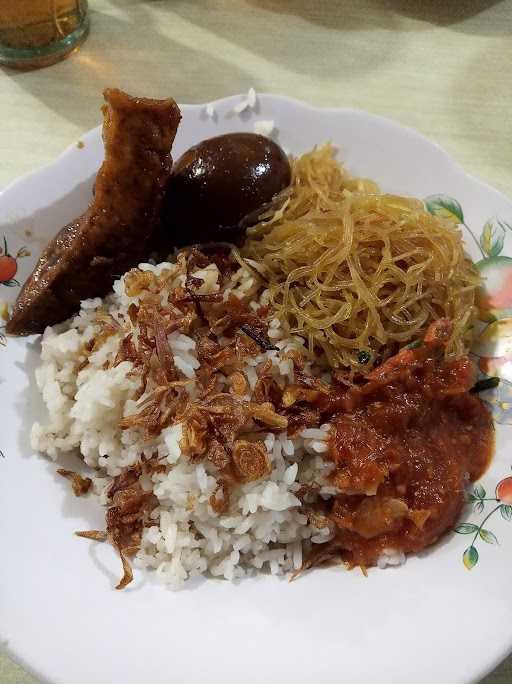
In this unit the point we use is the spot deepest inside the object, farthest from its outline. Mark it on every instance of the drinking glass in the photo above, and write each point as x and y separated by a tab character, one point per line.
36	33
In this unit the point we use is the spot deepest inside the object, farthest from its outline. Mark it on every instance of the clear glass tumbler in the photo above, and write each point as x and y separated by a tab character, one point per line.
37	33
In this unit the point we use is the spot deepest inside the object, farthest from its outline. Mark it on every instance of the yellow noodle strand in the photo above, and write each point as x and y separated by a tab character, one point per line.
353	270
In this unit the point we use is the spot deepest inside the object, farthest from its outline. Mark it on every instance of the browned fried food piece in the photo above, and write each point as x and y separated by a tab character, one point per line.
113	235
81	485
128	512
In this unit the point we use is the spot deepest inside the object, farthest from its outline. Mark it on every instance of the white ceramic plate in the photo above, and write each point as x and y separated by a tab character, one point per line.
432	620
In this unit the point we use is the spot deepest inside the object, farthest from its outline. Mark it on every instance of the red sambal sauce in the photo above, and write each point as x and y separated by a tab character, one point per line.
403	448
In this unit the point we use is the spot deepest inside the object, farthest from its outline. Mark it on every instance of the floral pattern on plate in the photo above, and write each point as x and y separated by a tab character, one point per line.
478	497
9	264
493	351
8	272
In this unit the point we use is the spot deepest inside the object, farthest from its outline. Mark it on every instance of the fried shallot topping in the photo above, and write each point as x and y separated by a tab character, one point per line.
81	485
251	460
221	414
128	511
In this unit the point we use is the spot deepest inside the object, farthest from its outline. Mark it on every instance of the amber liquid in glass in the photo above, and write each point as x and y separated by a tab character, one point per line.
41	29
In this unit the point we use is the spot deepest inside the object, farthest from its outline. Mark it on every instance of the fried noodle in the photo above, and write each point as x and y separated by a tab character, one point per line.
357	273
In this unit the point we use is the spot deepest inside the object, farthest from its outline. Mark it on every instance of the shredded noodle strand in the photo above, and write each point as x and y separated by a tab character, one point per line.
352	270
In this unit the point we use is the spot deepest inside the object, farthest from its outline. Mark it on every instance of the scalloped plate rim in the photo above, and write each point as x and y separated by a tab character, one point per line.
93	133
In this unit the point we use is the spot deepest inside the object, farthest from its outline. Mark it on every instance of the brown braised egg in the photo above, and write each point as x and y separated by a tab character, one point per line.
219	182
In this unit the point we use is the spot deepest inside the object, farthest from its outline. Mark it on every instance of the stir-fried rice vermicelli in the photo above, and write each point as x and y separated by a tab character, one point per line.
357	273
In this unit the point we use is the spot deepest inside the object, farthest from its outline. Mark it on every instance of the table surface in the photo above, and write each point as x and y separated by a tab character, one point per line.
440	66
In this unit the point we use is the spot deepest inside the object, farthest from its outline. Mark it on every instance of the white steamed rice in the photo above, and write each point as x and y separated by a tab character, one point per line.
264	527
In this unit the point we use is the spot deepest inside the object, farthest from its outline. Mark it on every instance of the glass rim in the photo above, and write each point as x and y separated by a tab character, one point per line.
10	55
